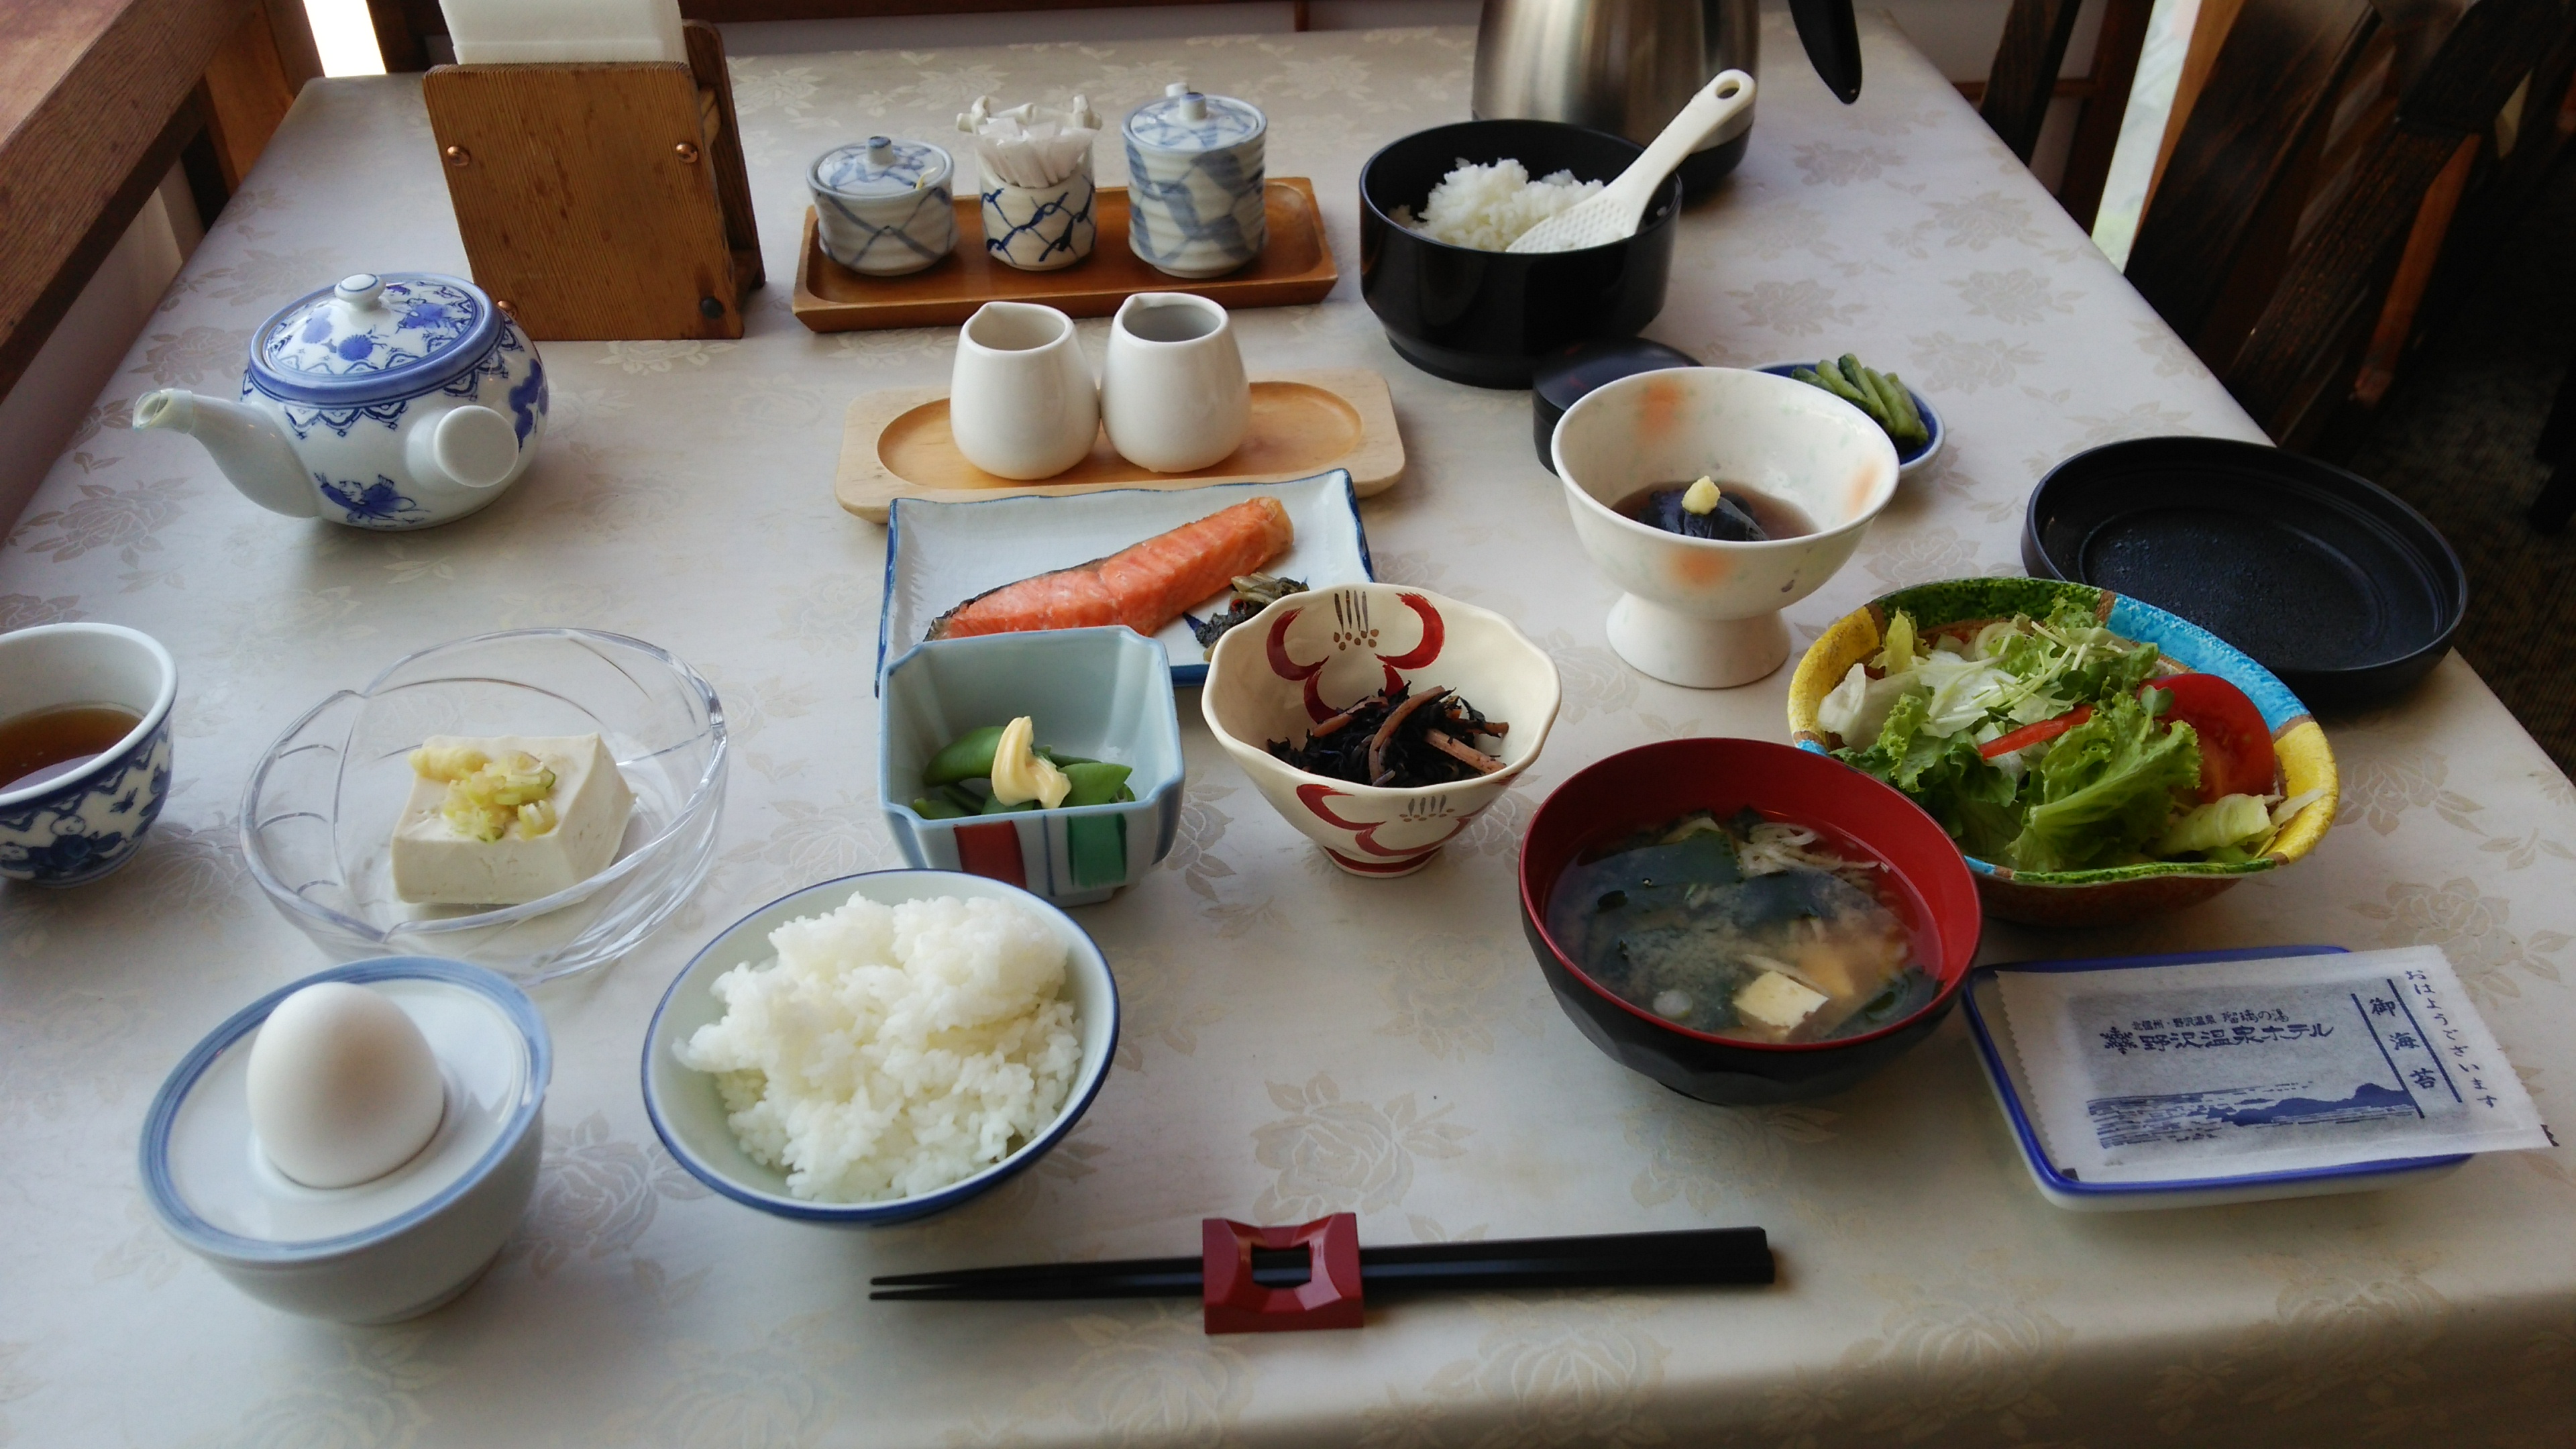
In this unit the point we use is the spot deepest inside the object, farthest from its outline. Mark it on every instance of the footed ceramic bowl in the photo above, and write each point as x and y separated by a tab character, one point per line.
1308	656
1705	613
689	1113
1104	694
1655	784
78	825
2114	893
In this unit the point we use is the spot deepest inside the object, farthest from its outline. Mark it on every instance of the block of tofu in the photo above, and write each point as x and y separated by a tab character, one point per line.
435	864
1775	1001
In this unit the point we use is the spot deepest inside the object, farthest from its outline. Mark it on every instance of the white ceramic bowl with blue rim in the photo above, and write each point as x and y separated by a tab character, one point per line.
73	826
882	207
1195	171
385	1250
1908	456
689	1114
1102	694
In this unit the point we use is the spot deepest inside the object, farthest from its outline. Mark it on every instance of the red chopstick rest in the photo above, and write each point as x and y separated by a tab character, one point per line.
1235	1303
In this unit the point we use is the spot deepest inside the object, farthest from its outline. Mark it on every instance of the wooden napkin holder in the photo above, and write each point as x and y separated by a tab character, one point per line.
602	201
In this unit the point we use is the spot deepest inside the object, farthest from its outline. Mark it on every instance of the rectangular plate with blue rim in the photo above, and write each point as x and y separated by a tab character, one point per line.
939	555
1995	1048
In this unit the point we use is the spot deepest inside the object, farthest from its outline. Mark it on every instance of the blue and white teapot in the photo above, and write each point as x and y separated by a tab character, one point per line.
388	402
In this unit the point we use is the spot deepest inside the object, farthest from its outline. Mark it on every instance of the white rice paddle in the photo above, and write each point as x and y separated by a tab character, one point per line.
1615	213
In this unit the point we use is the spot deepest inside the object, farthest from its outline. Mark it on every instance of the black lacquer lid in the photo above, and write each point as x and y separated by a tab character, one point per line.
1561	381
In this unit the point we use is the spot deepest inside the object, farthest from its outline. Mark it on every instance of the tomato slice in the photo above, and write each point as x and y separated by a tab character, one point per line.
2235	748
2033	734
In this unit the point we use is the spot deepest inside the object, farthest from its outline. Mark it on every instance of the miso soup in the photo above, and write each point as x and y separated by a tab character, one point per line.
1757	929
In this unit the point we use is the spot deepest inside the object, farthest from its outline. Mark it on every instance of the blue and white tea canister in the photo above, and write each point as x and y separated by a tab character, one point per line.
884	208
1194	182
389	401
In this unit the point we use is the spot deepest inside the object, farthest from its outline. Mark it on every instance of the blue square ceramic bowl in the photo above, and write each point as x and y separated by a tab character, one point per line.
1104	694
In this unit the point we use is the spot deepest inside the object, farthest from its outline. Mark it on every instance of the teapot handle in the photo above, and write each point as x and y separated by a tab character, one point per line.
1832	39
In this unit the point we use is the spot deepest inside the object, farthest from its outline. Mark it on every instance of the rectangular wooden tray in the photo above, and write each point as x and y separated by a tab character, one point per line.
896	444
1296	266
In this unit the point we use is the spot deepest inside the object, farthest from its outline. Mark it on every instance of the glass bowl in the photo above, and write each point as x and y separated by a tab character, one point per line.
319	813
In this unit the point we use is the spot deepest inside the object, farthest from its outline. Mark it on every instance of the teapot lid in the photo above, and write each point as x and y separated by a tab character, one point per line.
373	338
1184	120
880	167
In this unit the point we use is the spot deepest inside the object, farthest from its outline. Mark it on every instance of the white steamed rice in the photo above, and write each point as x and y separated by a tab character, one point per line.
1488	207
889	1051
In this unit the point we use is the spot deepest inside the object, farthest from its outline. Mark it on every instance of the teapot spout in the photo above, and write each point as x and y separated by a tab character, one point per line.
247	446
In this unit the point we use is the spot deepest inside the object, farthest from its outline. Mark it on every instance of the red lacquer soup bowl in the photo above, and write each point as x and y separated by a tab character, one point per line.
1929	888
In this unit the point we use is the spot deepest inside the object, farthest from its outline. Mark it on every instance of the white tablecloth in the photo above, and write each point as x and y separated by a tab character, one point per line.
1297	1042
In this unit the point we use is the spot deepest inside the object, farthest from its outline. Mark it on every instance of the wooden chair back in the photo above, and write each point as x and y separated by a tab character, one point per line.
2329	142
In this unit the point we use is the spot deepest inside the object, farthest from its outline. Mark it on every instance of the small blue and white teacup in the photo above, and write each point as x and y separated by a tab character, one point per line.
1194	182
883	208
72	821
1041	228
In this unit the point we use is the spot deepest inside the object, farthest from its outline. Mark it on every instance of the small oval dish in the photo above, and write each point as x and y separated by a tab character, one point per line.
319	811
78	824
1101	694
2114	893
689	1113
1909	456
1306	657
1652	785
391	1248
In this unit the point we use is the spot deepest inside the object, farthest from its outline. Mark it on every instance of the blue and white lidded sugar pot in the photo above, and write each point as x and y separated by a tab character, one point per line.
884	208
390	401
1194	175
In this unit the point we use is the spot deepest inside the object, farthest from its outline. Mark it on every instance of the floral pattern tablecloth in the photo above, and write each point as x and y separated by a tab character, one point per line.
1297	1042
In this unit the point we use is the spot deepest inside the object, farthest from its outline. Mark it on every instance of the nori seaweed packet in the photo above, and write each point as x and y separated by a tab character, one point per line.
2225	1068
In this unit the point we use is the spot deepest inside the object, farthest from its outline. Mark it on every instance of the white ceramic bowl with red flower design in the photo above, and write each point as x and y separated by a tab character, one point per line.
1310	655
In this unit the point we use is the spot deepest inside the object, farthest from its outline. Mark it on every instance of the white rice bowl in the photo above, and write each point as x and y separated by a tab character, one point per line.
1488	207
890	1051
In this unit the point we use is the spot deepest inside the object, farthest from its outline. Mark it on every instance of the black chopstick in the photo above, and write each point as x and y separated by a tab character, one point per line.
1711	1256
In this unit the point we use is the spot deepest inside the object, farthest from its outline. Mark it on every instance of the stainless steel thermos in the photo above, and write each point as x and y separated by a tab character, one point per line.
1627	66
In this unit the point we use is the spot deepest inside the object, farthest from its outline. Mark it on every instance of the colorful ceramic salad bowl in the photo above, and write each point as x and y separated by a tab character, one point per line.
2107	894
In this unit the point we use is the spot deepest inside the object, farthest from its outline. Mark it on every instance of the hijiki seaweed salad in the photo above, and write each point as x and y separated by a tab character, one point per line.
1750	928
2056	745
1399	740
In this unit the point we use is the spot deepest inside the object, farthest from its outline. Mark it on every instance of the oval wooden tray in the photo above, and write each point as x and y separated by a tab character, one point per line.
1295	267
896	444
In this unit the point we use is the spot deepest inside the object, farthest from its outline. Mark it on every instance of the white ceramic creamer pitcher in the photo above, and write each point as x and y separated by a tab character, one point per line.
389	401
1173	392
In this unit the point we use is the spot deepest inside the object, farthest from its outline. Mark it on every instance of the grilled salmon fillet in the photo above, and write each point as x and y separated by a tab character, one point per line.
1143	586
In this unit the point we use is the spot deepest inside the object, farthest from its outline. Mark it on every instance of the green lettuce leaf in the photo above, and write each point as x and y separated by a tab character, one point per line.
2105	789
1972	798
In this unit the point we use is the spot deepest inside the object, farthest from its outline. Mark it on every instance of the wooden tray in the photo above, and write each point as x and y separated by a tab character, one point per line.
896	444
1296	266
